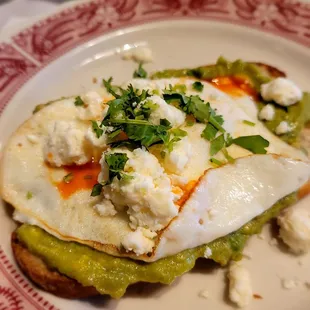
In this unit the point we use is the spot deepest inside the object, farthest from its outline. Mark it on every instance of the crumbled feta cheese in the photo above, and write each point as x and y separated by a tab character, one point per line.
281	90
283	128
93	106
64	144
240	289
178	158
148	195
289	284
267	112
295	228
105	208
139	54
178	180
93	140
204	294
139	241
33	139
175	116
207	253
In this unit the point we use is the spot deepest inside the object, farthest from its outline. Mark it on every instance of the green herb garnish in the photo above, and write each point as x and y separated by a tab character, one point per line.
116	163
78	101
176	136
198	86
209	132
140	72
255	144
68	178
217	144
97	130
216	161
29	195
96	191
249	123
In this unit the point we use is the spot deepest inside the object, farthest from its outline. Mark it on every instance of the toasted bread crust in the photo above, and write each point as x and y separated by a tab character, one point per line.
50	280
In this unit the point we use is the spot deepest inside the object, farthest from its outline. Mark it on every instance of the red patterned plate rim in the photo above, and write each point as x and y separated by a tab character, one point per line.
30	50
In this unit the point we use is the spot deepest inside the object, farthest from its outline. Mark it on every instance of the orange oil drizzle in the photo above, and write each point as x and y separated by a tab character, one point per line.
83	177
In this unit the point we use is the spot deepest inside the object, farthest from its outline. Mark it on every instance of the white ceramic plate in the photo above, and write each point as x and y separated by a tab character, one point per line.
61	55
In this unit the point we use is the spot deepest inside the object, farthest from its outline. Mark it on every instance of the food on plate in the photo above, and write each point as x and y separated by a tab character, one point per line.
240	287
133	183
295	227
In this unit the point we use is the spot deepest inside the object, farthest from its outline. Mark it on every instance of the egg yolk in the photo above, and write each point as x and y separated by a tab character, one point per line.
235	86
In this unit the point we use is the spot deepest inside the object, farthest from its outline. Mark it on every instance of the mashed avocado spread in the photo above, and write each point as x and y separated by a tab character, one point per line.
112	275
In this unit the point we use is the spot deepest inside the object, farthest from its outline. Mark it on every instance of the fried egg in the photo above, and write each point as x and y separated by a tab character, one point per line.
51	163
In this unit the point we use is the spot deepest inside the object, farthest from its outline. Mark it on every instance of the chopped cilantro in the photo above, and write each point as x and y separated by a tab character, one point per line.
96	191
190	123
110	88
248	123
68	178
176	136
227	156
116	163
255	144
178	88
29	195
217	144
198	86
97	130
209	132
140	72
78	101
216	161
114	134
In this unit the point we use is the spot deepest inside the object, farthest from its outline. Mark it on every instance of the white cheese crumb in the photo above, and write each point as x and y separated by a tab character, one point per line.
281	90
105	208
94	141
207	253
273	242
289	284
33	139
178	158
148	195
139	241
240	288
295	227
64	144
267	112
139	54
283	128
204	294
165	111
93	106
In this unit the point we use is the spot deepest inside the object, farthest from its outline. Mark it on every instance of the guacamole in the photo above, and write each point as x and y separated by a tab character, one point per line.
112	275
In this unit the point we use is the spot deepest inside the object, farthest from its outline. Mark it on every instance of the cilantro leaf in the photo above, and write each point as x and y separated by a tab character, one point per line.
248	123
140	72
175	136
198	86
78	101
216	161
209	132
217	144
116	163
29	195
96	191
227	156
97	130
255	144
110	88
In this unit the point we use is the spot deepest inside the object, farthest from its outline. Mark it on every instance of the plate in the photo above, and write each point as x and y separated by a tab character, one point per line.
62	54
